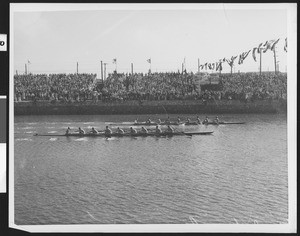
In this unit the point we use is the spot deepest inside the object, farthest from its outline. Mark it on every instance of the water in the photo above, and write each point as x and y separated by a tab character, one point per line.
237	175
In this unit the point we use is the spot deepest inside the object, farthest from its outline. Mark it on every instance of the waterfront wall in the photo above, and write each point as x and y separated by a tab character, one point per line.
150	107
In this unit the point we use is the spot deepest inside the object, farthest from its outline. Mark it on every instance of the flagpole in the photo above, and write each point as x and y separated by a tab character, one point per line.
275	63
198	65
260	57
102	71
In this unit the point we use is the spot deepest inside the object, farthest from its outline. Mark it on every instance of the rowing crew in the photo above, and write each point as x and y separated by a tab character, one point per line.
108	131
188	121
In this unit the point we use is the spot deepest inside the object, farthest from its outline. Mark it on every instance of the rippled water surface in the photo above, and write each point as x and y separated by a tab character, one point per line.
237	175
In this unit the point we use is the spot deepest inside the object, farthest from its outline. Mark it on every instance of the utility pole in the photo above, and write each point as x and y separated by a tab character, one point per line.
182	68
16	72
102	71
77	68
25	69
132	68
198	65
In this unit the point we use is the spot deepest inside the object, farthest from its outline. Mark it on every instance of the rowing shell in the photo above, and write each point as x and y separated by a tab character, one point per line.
153	123
224	123
213	123
129	135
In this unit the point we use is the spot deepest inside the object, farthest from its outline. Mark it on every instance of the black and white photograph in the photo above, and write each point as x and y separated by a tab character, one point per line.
152	117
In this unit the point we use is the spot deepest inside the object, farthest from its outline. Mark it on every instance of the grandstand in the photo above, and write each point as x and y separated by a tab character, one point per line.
70	88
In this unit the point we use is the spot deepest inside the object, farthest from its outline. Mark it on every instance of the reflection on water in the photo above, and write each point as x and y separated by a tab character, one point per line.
237	175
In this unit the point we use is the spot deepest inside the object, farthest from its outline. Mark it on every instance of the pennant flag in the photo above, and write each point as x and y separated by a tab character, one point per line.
242	57
266	43
259	48
114	60
28	62
253	53
219	66
149	60
267	46
285	46
274	45
231	61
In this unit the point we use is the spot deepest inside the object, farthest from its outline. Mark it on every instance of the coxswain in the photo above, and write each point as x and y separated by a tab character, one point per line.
198	120
169	129
120	131
158	130
216	120
107	131
205	120
81	131
94	131
133	131
68	131
144	130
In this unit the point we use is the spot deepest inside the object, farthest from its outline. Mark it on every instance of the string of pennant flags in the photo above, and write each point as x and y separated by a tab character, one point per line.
262	48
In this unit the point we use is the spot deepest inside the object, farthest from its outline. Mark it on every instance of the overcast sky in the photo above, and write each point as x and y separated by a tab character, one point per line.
54	41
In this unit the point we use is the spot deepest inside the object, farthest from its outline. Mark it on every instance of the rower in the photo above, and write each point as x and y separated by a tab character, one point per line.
94	131
148	121
158	130
205	120
120	131
159	121
144	130
198	120
81	131
133	131
68	131
216	120
169	129
188	120
178	119
168	120
107	131
136	121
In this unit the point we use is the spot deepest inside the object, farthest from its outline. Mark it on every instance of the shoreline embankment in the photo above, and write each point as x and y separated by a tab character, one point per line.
151	107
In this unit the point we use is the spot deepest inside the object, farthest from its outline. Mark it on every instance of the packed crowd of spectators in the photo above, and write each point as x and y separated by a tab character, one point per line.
54	87
151	86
